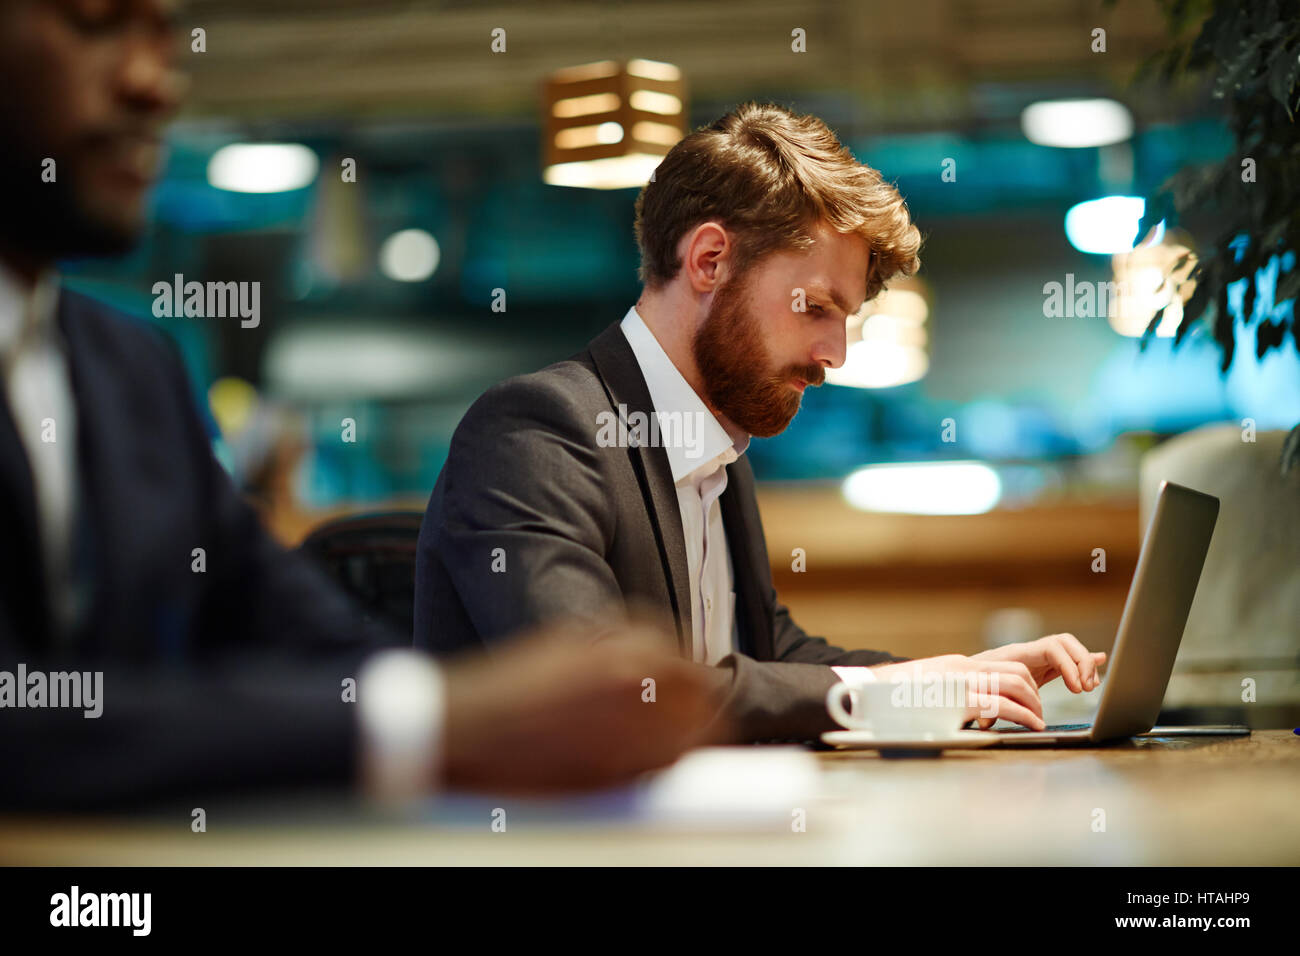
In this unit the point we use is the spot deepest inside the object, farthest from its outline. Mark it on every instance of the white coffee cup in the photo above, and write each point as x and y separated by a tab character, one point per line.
934	706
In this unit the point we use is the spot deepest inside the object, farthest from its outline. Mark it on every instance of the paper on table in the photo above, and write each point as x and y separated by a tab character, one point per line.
712	787
733	785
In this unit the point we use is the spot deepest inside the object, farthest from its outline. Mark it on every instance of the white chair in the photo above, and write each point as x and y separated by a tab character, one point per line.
1245	621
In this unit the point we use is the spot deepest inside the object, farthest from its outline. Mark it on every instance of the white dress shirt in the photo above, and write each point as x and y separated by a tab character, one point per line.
37	389
698	454
400	693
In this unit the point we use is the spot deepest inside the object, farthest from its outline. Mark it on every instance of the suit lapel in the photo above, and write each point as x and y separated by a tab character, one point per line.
98	430
22	577
745	542
627	390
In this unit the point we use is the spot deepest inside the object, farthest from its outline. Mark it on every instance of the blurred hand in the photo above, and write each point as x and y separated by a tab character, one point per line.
554	712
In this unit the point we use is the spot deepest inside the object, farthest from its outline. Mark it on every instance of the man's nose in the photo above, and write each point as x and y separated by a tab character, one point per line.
148	77
831	349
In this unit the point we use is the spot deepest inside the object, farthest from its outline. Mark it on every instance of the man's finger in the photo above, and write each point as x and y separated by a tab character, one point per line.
1064	663
1087	666
1008	710
1012	688
1009	674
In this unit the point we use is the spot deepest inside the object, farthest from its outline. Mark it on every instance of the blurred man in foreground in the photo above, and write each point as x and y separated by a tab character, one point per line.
153	640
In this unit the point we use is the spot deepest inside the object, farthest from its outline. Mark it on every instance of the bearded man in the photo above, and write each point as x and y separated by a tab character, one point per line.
759	236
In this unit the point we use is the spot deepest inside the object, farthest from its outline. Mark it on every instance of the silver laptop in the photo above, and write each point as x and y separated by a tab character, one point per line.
1155	612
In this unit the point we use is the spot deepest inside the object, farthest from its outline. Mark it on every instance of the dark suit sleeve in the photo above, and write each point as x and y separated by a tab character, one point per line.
167	735
263	597
525	516
785	699
774	701
252	696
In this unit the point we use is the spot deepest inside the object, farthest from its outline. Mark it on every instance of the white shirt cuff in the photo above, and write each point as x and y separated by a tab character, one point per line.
855	675
402	711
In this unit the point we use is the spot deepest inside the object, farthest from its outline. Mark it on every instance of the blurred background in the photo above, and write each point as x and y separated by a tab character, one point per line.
388	171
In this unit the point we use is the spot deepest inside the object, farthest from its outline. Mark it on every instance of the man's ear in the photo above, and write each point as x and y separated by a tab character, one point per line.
717	252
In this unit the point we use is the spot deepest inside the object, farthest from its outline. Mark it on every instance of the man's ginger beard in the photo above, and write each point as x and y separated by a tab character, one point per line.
736	368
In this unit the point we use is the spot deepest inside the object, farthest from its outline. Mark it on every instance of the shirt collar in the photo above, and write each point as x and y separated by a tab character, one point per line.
705	445
23	310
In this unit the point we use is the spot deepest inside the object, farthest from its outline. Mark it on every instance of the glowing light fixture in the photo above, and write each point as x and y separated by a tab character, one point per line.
608	125
1105	226
410	255
887	339
924	488
1077	123
1154	275
262	167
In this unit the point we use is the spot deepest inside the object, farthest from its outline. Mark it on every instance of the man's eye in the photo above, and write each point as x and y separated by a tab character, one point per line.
818	308
94	16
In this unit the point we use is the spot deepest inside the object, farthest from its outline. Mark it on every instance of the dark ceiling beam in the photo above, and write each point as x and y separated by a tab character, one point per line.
904	64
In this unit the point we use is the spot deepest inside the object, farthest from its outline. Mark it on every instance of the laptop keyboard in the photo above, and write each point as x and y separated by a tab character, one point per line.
1050	729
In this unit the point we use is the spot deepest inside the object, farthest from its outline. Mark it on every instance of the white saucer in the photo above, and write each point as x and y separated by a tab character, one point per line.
866	740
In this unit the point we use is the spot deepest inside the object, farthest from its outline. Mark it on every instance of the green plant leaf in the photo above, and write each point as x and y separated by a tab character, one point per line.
1282	75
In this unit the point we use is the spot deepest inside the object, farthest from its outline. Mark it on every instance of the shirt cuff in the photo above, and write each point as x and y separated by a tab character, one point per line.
855	675
401	696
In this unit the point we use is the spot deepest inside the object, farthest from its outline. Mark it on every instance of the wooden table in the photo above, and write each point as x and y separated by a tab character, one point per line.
1165	801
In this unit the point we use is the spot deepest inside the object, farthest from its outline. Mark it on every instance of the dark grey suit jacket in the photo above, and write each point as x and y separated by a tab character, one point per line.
581	528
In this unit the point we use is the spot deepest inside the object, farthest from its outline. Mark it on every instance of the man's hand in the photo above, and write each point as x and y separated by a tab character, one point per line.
995	688
1056	655
555	712
1007	678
